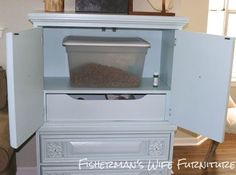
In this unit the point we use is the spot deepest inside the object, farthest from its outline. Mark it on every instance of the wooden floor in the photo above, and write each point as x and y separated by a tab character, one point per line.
225	153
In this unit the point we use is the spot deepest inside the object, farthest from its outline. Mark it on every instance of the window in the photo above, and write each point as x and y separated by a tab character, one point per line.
222	21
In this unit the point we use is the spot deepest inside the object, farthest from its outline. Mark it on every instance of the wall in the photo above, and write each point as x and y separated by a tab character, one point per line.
13	16
188	8
233	91
197	12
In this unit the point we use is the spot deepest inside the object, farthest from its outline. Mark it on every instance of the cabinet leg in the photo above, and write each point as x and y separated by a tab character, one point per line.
212	149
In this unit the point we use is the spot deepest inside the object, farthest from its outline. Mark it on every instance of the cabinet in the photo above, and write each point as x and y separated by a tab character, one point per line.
193	91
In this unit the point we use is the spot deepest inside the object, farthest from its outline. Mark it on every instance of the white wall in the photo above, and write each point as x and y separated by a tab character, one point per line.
13	16
197	12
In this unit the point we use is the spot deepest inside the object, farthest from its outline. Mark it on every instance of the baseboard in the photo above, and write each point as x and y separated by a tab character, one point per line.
189	141
26	171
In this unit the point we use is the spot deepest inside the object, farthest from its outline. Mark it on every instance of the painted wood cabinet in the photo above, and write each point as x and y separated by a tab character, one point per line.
193	91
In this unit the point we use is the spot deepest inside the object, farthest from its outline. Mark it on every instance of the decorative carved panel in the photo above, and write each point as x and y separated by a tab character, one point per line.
54	150
157	147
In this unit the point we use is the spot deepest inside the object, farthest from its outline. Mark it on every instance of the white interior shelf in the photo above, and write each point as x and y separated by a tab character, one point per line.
62	85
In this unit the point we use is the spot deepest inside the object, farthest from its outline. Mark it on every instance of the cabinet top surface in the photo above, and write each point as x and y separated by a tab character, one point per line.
72	19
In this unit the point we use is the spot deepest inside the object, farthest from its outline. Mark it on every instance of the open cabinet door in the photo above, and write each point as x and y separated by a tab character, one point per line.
25	84
200	85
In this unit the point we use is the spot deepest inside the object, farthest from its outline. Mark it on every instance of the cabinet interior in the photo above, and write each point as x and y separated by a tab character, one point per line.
159	56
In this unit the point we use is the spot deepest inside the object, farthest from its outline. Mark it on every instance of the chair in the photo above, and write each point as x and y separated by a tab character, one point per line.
7	154
229	128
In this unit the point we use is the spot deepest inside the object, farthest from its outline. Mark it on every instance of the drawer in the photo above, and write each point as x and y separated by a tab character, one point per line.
74	170
64	107
73	148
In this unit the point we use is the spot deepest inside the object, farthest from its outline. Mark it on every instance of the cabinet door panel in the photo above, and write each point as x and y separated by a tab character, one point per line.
200	83
25	84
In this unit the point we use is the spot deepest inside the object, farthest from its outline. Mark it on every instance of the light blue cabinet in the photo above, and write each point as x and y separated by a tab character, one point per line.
193	91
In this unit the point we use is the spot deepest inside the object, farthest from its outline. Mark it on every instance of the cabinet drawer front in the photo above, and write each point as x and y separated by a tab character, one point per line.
73	148
63	107
74	170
